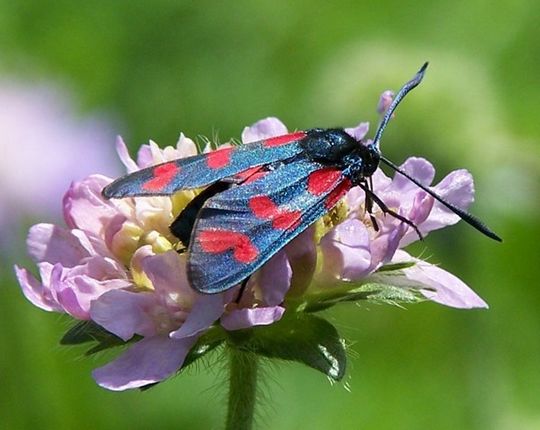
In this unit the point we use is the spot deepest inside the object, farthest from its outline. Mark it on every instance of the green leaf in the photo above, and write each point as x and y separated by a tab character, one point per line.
300	337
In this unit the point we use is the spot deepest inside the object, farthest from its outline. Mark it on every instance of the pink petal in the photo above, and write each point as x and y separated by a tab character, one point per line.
36	293
263	129
355	199
124	156
380	181
168	274
346	251
358	132
418	214
386	99
185	147
76	293
246	318
158	155
125	313
302	256
394	237
440	286
145	157
86	209
98	267
458	188
114	225
150	360
206	310
274	279
419	168
52	244
421	208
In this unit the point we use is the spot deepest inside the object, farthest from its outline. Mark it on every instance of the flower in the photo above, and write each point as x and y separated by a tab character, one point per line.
42	143
117	264
386	99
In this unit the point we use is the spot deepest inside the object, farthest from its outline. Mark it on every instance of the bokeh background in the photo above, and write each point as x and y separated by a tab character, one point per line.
75	74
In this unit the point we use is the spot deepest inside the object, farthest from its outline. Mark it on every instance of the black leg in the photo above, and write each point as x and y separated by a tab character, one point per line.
369	204
389	211
243	286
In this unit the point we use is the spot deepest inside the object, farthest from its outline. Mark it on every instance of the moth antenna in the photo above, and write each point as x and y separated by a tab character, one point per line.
397	100
465	216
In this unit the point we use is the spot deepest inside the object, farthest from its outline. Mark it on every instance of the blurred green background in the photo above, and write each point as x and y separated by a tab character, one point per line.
210	68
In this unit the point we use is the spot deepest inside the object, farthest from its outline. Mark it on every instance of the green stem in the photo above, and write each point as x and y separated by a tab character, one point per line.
242	389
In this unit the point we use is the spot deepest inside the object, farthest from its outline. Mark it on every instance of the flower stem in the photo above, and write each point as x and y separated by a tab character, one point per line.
242	389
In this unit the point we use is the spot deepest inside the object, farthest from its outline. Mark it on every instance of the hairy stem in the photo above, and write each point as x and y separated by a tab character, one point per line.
242	389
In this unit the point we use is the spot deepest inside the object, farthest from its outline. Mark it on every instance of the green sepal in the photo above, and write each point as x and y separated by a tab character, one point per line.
299	337
110	342
209	341
395	266
89	331
375	292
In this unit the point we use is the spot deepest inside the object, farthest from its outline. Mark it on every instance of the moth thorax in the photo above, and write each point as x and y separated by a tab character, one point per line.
329	146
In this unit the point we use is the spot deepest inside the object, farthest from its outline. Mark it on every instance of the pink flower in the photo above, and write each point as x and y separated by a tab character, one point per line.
116	262
386	99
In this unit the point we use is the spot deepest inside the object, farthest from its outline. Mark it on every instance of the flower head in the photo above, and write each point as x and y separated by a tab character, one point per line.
116	264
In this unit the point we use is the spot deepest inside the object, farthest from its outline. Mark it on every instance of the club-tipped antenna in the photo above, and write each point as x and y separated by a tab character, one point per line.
400	96
465	216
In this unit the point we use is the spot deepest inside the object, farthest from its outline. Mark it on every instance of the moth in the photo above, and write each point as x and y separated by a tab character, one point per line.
261	195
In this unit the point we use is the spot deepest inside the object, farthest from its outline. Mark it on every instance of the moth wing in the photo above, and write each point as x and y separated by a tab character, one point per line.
203	169
239	229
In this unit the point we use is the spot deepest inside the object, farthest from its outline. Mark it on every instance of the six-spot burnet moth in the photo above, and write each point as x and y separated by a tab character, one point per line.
263	194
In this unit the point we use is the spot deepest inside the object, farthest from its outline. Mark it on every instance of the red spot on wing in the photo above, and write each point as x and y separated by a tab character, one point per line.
287	220
163	174
263	207
336	194
250	175
219	158
218	241
282	219
256	176
323	180
283	140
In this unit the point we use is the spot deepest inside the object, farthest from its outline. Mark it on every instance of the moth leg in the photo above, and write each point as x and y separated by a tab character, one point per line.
369	205
389	211
243	286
